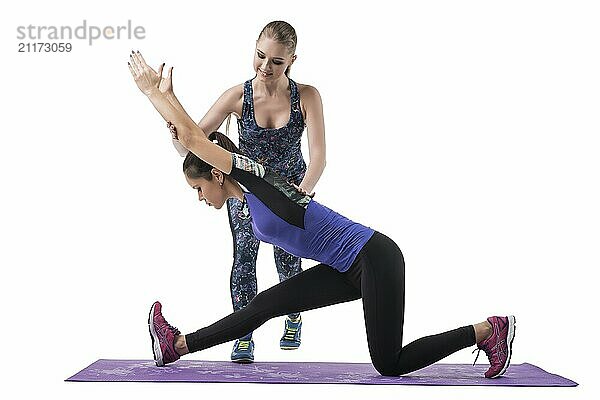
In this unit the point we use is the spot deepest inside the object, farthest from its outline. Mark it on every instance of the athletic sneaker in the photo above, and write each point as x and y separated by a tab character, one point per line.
498	346
163	336
243	350
291	334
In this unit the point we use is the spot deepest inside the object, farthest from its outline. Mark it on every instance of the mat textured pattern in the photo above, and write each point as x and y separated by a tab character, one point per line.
310	372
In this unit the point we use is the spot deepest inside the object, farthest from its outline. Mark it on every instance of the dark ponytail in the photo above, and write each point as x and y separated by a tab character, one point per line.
194	167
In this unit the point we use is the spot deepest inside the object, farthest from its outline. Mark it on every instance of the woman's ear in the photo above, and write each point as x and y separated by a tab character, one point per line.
218	175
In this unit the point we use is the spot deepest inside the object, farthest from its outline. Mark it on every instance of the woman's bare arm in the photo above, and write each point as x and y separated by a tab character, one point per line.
229	102
190	135
316	138
226	104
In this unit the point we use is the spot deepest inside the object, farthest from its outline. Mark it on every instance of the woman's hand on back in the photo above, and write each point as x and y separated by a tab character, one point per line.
304	192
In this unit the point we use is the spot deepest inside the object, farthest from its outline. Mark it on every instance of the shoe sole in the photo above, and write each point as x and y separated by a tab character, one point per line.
288	347
512	321
158	359
243	361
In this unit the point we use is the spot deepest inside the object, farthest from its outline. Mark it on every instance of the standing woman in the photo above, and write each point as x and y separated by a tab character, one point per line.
272	111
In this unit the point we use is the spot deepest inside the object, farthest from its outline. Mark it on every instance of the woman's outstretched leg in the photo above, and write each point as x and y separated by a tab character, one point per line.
316	287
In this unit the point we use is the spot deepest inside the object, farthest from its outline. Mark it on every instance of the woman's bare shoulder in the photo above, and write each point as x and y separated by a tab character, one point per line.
235	92
308	94
233	98
303	87
307	91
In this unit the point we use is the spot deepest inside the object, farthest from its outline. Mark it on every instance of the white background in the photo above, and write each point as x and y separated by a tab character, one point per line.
467	131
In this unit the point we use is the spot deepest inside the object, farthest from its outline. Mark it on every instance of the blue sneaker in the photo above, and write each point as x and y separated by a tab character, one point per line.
291	334
243	350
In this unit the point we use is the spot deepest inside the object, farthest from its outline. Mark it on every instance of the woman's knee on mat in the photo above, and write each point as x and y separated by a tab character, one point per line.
391	366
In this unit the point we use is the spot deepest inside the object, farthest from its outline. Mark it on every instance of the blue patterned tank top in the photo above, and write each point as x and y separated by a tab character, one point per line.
276	148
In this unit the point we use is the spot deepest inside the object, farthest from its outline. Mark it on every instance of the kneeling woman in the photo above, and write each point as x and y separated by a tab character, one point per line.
356	261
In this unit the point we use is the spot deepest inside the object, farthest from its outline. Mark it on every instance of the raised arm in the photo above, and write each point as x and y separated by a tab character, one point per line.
190	135
193	138
229	102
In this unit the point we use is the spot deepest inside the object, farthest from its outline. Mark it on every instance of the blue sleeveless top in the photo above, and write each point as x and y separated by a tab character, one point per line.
287	218
275	148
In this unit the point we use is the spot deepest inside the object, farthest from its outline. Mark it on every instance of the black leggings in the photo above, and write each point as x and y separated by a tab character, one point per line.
377	275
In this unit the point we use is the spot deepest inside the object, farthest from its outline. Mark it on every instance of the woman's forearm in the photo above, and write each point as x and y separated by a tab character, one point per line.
168	106
313	173
175	101
177	115
176	143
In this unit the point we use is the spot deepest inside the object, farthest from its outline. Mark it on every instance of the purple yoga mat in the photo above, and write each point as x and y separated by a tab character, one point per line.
310	372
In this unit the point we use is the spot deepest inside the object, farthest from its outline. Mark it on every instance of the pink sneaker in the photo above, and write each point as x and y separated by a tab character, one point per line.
498	345
163	336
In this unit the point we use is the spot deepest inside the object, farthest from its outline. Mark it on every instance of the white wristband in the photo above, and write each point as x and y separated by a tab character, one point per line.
179	147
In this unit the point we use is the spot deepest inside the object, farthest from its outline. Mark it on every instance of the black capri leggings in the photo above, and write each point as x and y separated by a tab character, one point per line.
377	275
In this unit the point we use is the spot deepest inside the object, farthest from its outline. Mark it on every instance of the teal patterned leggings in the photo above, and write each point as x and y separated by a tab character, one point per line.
245	250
